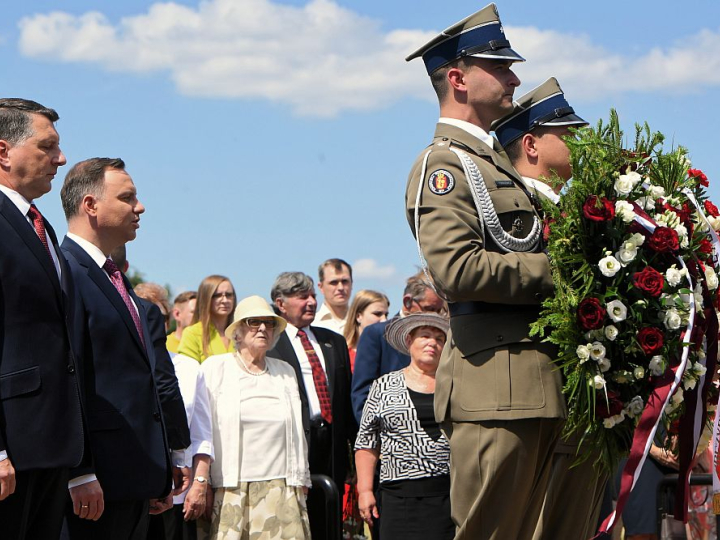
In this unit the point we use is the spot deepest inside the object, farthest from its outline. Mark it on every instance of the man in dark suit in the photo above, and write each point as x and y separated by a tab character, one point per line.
41	425
322	365
375	357
131	466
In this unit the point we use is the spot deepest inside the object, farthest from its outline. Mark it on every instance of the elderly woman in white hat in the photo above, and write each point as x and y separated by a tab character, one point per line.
398	422
260	475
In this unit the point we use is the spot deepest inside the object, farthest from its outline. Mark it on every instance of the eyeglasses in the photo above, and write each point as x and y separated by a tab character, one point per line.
256	323
430	308
228	295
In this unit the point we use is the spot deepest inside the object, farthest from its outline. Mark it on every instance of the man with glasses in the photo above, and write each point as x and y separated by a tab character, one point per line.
322	365
375	357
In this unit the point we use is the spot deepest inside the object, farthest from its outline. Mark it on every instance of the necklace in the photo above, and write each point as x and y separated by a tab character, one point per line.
247	369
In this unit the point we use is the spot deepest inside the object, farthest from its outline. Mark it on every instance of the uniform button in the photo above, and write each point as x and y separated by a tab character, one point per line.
445	139
156	416
71	369
500	338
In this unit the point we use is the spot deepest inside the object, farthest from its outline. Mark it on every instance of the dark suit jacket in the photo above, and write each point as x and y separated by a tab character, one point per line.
127	432
41	423
374	357
337	366
173	407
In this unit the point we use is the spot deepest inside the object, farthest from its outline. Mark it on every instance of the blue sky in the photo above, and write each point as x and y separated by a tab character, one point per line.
267	136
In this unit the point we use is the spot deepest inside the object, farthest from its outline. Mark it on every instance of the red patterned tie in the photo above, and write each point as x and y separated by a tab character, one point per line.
111	268
39	225
319	378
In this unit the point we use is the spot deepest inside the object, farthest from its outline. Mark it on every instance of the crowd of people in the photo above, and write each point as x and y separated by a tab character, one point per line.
125	417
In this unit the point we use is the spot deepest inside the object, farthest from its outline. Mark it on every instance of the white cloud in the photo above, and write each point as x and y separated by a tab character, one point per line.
371	269
322	59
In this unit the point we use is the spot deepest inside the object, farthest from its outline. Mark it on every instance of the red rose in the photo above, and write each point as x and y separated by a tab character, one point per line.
610	407
664	239
698	175
598	209
711	209
649	281
650	340
591	314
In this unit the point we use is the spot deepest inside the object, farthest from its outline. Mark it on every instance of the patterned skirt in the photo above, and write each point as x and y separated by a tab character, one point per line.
266	510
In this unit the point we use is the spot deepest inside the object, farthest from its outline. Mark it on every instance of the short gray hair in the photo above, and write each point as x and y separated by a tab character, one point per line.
290	284
16	118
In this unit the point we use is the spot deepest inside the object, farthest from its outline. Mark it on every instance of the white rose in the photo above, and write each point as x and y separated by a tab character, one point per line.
611	332
624	210
672	319
657	365
639	372
635	407
597	350
626	256
609	266
711	278
617	311
583	353
604	364
656	192
637	239
624	185
598	382
674	276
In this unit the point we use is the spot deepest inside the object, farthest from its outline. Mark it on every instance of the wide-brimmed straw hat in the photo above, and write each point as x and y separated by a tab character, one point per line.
397	331
253	307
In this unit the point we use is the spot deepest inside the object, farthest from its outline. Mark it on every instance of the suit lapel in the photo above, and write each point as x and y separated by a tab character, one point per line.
102	281
25	231
287	353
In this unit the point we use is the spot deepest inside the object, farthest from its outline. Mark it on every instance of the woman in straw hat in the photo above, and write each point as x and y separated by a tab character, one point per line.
398	422
260	474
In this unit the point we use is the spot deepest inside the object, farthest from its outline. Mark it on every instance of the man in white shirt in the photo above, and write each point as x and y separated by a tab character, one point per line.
322	365
41	423
335	283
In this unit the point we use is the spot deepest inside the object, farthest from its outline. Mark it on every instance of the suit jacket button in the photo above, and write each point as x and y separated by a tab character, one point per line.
156	416
500	337
71	369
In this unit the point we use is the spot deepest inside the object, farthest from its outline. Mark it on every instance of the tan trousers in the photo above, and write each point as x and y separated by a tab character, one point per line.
572	502
499	472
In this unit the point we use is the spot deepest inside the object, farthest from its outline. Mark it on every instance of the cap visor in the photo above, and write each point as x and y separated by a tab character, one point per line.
567	120
500	54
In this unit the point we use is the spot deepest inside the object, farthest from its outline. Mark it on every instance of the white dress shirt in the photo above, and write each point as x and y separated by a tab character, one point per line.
305	368
472	129
324	318
23	205
542	188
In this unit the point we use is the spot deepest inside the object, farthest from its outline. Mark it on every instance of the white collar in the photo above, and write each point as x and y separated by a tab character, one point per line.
23	205
91	249
542	188
472	129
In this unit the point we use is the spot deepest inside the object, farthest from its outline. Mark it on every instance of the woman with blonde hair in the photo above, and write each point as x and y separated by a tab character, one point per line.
213	314
368	307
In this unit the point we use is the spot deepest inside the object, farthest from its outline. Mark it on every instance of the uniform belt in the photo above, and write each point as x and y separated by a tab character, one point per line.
478	308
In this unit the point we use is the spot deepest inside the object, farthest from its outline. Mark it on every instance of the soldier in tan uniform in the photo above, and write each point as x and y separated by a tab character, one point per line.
532	136
497	393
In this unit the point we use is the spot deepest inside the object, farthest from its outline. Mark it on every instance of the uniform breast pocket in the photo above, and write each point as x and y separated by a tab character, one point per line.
506	378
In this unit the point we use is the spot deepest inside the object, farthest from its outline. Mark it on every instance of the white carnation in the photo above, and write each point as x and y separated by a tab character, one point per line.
617	311
656	191
711	278
674	276
672	319
626	183
624	210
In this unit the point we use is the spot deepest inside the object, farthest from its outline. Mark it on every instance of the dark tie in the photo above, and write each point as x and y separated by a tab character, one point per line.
319	378
39	224
116	277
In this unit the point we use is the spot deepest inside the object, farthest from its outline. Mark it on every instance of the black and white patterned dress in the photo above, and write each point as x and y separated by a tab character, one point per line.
390	424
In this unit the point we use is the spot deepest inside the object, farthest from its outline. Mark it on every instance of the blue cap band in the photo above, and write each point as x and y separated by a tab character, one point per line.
553	107
452	48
